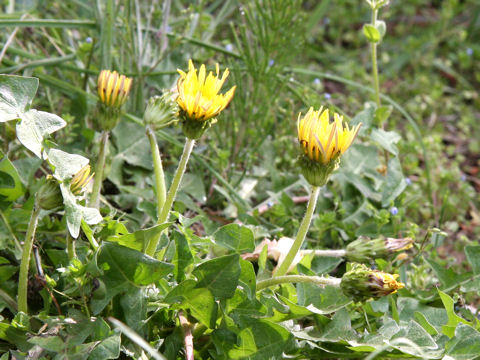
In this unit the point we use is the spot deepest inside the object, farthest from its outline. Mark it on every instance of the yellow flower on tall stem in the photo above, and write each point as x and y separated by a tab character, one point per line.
322	143
113	89
199	99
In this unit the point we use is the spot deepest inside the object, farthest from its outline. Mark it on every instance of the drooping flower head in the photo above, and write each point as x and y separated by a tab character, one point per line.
113	89
322	143
80	180
199	99
362	283
366	250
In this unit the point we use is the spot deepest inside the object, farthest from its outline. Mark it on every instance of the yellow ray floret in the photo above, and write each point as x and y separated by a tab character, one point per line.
113	89
322	140
198	94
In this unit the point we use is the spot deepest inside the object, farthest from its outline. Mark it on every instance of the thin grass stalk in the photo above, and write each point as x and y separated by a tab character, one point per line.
97	184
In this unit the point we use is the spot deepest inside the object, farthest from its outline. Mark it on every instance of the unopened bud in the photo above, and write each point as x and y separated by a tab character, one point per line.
49	196
362	283
161	111
365	250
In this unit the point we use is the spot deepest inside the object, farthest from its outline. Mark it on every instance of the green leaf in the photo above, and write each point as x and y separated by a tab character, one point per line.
260	340
386	139
453	319
248	280
66	165
422	320
35	126
16	95
371	33
219	275
465	345
394	182
448	278
183	256
50	343
139	239
107	349
13	188
412	339
124	269
382	114
199	301
235	237
134	305
75	213
473	256
365	117
14	336
321	301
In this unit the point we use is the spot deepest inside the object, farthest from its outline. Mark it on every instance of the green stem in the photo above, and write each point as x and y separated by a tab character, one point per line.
376	84
319	280
160	187
97	184
71	247
172	192
25	263
325	253
302	231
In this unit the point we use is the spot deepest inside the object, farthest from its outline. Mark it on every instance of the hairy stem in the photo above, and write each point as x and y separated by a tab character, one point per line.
172	192
97	184
326	253
319	280
71	247
25	263
302	231
187	336
160	187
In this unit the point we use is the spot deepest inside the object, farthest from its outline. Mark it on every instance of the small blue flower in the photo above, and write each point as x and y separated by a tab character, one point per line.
469	51
394	211
316	81
229	47
326	21
270	204
169	28
88	40
271	62
463	177
327	96
408	181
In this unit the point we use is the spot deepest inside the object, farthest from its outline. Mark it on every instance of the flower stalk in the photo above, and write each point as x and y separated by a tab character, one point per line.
25	262
302	232
160	187
286	279
373	48
172	192
97	184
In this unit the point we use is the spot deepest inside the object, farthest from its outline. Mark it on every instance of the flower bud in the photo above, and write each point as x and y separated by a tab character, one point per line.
49	196
80	180
362	283
161	111
365	250
113	90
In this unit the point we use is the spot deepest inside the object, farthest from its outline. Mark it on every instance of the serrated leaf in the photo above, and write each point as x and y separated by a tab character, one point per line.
33	128
219	275
235	237
16	95
138	239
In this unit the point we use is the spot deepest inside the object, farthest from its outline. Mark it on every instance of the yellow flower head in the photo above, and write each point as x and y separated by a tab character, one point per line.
80	180
113	88
198	95
322	140
383	283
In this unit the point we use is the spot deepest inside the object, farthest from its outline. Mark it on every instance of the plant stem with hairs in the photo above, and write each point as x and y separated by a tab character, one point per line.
97	185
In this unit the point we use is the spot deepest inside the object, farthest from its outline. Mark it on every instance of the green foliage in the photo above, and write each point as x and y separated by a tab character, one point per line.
412	172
